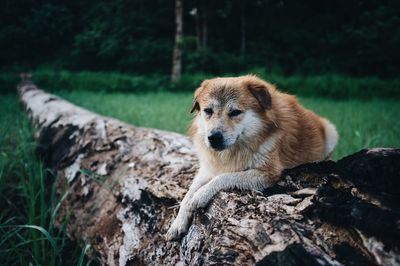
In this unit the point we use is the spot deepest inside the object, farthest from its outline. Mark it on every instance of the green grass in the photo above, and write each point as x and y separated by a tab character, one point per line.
163	110
328	85
361	123
28	202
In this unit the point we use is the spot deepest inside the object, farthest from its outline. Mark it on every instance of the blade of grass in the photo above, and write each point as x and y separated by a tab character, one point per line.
37	228
82	256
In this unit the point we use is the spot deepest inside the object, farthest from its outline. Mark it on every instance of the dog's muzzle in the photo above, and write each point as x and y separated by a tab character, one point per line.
216	140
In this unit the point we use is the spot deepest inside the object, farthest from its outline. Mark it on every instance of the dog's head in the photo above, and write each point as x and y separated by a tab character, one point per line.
231	109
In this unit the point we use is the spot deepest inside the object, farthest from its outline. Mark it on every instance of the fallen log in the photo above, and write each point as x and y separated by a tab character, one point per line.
121	186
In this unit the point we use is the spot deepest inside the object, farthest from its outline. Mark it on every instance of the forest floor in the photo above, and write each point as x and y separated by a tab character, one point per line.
27	232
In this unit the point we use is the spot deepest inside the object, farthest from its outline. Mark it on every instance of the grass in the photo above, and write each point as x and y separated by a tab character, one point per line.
328	85
28	201
361	123
163	110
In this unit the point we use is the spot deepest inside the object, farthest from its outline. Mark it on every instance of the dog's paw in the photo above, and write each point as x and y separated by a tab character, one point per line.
200	199
178	228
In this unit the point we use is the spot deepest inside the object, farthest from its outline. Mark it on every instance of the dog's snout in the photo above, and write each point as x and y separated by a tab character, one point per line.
216	137
216	140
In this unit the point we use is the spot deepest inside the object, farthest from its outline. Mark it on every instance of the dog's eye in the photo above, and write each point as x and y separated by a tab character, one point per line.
235	113
208	111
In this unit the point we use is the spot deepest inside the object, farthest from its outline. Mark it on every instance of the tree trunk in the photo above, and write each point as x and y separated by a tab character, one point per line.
177	54
121	186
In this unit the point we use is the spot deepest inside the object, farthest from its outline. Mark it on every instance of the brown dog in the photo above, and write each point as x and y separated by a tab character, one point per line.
246	132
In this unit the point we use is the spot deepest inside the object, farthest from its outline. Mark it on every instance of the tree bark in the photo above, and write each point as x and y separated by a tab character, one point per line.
121	186
177	54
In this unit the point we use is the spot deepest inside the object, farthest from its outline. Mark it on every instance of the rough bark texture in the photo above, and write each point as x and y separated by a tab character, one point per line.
121	186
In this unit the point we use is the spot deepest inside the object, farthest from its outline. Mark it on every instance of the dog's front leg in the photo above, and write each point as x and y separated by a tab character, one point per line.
181	223
250	179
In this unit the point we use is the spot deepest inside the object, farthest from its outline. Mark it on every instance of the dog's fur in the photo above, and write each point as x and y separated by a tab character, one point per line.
246	132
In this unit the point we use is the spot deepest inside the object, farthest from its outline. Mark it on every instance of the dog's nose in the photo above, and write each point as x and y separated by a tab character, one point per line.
216	140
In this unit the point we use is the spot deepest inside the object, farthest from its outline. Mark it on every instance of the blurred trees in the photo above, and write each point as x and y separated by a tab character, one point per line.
177	54
356	37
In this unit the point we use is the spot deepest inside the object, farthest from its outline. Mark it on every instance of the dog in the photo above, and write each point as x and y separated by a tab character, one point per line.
246	132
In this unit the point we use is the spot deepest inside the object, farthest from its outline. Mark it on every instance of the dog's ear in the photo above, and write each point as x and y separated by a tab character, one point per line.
260	91
195	106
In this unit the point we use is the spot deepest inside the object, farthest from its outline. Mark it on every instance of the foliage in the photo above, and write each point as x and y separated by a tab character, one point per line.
334	86
358	38
327	85
28	203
